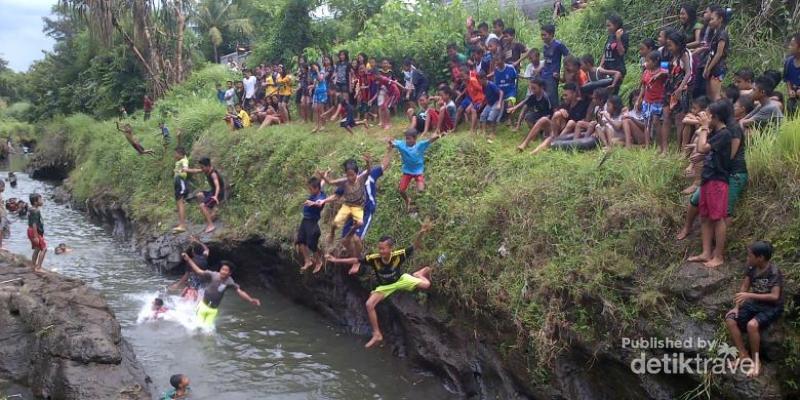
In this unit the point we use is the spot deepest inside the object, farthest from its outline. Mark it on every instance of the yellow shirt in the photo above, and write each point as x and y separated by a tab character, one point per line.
271	89
285	85
245	118
179	166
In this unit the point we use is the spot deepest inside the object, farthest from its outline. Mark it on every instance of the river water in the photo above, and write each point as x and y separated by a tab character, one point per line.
277	351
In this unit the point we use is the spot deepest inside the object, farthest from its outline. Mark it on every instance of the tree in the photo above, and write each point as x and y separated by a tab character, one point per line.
214	17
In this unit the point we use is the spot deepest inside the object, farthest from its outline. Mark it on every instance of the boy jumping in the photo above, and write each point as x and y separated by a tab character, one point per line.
413	154
386	264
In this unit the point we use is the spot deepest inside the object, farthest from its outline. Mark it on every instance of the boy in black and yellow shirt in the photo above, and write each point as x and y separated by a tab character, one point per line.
386	264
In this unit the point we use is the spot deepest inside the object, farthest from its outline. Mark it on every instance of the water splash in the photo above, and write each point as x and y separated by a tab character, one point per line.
179	311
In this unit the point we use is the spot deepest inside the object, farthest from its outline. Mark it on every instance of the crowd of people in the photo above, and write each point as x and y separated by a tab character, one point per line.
571	101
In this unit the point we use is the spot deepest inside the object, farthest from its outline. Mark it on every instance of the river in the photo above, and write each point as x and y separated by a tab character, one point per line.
278	351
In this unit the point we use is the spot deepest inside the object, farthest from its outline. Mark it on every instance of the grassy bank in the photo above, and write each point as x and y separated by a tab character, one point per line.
589	246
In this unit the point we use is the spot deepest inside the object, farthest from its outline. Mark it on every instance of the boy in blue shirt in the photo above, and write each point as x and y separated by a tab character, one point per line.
308	233
552	51
371	189
493	110
413	154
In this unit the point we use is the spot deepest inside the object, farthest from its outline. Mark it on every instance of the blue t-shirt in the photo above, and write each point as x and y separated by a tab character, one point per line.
413	157
492	93
791	73
221	95
372	189
553	53
506	80
313	213
486	63
165	132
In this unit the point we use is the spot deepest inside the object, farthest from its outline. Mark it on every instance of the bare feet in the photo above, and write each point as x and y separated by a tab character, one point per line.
714	262
179	229
317	266
315	130
376	338
210	228
699	258
306	266
682	234
520	148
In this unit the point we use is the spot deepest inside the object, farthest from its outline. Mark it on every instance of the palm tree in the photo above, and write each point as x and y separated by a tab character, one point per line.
215	16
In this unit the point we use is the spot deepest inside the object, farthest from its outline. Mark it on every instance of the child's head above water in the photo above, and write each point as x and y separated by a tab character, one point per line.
36	199
179	381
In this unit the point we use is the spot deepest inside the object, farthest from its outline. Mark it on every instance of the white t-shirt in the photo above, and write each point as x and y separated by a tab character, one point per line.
230	94
249	87
530	70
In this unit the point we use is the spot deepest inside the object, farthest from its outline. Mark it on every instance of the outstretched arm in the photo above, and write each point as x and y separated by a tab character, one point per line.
181	281
193	266
246	297
206	250
335	260
387	157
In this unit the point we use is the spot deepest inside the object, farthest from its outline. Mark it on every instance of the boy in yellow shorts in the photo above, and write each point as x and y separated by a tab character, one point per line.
386	264
351	190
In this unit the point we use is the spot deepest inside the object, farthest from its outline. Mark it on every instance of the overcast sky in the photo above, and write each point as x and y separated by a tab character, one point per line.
21	38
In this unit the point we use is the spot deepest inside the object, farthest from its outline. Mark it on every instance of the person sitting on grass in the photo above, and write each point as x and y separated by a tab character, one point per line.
307	241
386	264
426	120
758	303
536	109
209	199
768	112
243	116
413	154
573	109
127	131
714	140
495	106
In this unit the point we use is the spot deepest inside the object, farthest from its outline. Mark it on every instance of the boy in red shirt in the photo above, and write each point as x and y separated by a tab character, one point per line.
478	99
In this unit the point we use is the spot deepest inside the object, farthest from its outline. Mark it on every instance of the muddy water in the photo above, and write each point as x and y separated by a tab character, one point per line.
277	351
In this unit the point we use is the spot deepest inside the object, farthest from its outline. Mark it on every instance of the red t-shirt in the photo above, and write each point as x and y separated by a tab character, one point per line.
392	89
365	80
148	105
653	87
475	90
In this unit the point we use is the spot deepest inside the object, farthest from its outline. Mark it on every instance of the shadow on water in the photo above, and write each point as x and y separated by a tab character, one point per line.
277	351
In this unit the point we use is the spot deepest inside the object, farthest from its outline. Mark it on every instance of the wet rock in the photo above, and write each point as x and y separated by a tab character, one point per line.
694	280
59	337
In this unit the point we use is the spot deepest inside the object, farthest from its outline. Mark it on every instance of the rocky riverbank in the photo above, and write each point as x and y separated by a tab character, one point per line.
59	338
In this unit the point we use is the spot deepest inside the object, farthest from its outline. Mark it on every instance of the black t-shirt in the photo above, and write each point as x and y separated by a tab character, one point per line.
614	60
763	283
540	106
342	73
720	35
578	111
390	272
513	52
717	165
738	165
210	178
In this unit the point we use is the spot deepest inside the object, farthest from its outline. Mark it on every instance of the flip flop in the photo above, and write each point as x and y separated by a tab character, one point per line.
176	230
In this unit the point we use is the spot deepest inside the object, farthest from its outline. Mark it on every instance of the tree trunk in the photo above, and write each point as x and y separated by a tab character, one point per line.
216	56
159	86
179	46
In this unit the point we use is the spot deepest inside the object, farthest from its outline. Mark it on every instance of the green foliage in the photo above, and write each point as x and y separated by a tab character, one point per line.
422	32
289	36
20	111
